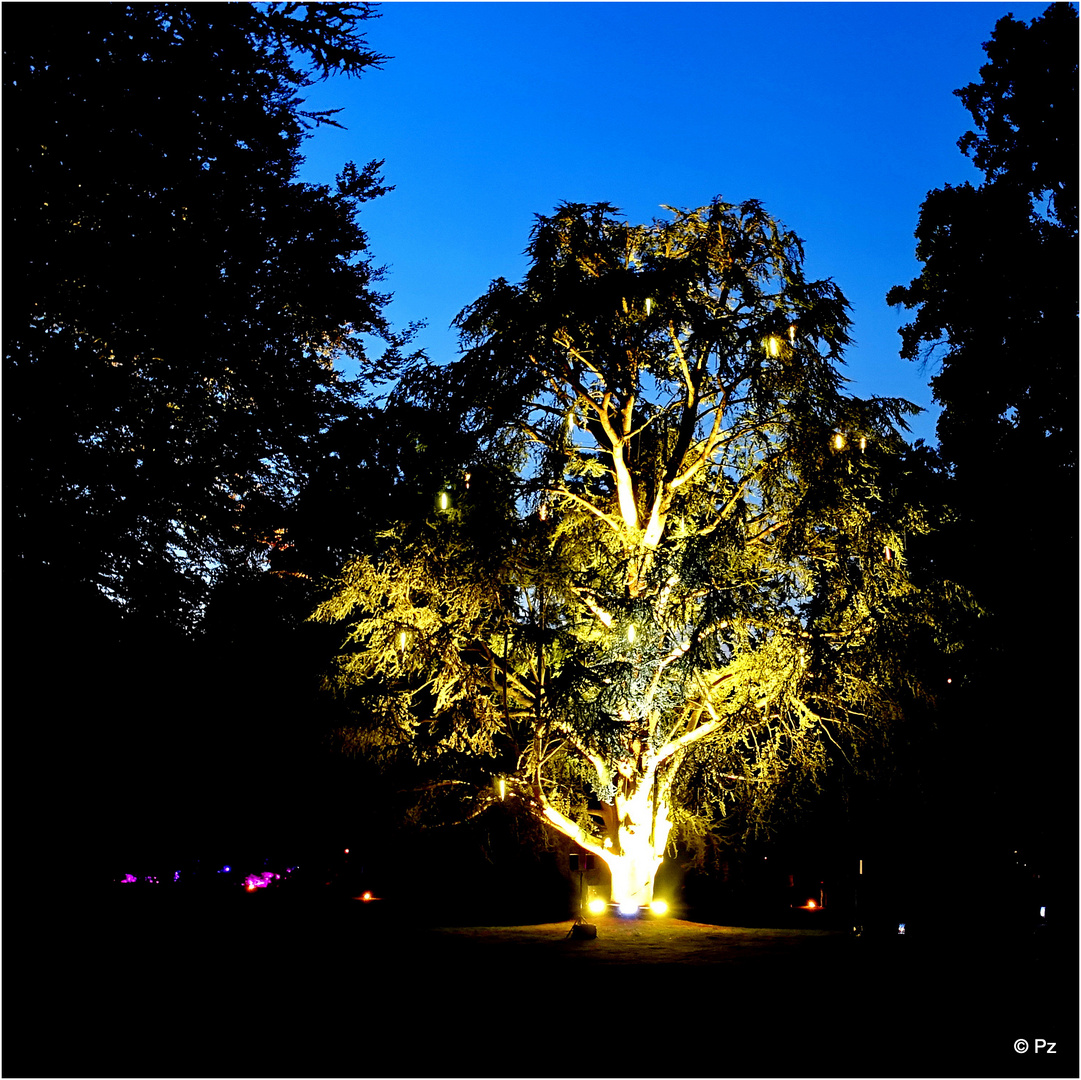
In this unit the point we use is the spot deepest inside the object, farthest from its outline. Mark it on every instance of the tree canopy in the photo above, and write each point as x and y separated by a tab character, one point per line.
670	585
179	309
1000	336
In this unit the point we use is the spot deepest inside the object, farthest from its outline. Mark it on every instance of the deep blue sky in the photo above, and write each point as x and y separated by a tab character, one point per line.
839	118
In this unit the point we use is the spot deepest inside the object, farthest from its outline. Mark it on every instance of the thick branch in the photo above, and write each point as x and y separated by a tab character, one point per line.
569	828
696	734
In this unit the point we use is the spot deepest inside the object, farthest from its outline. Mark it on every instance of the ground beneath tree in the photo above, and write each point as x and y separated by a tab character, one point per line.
148	988
643	941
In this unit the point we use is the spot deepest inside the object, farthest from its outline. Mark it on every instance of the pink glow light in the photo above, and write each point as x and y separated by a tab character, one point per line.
260	881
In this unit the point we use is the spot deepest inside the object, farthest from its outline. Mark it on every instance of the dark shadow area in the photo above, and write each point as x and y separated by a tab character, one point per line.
166	983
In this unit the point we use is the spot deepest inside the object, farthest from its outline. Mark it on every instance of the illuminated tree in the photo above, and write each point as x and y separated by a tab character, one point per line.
671	585
178	305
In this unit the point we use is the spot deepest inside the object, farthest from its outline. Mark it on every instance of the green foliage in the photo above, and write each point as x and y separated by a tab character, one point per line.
178	306
691	579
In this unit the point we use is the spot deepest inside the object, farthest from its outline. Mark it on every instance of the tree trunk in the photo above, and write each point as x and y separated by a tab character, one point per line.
641	826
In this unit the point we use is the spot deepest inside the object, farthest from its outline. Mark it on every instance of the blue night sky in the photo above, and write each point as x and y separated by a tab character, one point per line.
839	118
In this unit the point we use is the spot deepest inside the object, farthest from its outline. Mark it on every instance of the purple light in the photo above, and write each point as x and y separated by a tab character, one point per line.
260	881
128	879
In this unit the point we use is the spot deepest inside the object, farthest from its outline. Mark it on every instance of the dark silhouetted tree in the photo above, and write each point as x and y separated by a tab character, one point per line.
996	306
670	589
179	309
1001	333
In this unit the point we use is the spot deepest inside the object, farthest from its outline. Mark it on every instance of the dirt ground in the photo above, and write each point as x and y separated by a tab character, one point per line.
641	941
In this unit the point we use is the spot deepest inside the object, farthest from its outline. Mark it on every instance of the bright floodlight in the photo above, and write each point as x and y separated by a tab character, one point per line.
658	907
628	907
596	906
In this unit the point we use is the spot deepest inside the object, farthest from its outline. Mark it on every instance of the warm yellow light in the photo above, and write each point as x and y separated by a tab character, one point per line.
658	907
863	442
607	841
649	304
596	906
773	345
542	511
792	333
444	500
402	639
811	905
502	788
838	441
631	633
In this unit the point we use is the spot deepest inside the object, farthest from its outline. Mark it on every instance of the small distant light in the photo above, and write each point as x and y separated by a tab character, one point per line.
402	639
949	682
792	333
863	442
649	304
444	500
366	896
468	477
838	441
542	511
811	905
900	928
502	788
346	852
1043	913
